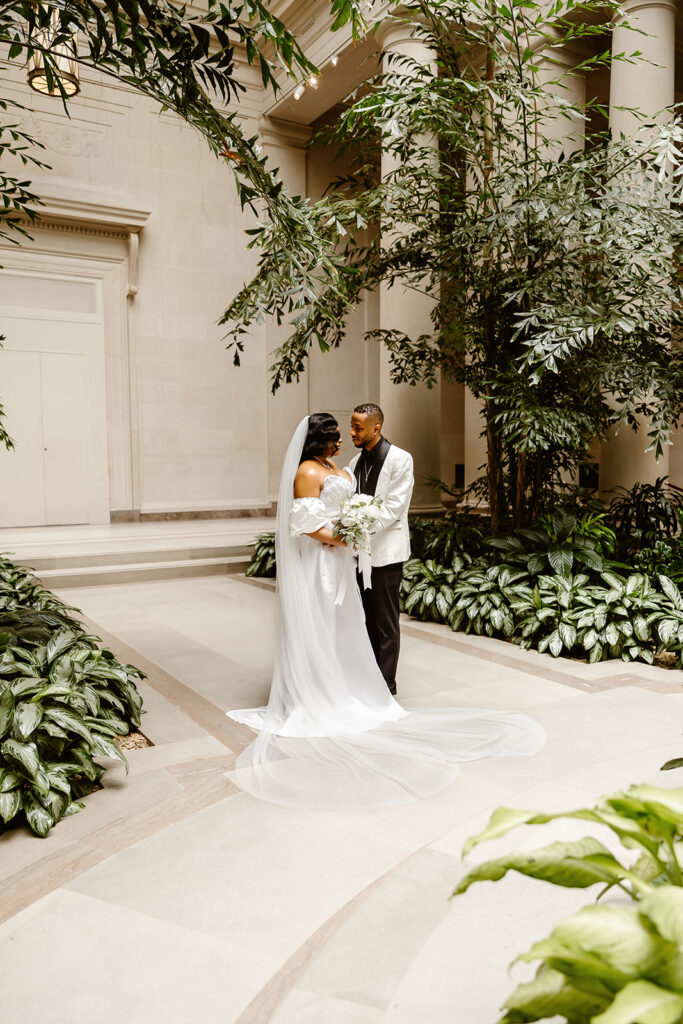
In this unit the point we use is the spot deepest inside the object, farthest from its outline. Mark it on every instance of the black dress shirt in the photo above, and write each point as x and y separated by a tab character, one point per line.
369	466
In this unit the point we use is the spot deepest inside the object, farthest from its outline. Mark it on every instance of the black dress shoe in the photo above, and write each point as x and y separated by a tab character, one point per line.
392	690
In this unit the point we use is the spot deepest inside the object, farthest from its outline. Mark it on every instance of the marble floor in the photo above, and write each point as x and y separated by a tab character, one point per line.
173	897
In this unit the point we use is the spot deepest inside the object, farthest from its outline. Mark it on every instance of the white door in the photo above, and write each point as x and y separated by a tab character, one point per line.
53	389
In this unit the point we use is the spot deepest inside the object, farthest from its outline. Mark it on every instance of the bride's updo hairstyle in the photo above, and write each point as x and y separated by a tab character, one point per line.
323	430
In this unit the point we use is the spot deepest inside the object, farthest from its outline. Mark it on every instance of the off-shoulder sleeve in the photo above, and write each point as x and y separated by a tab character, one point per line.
307	515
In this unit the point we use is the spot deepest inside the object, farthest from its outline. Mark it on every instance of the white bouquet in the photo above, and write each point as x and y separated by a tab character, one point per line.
353	523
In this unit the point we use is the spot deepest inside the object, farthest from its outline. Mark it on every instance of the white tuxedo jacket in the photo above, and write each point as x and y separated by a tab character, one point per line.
390	540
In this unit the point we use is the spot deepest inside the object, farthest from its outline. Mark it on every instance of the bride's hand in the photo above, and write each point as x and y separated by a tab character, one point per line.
326	536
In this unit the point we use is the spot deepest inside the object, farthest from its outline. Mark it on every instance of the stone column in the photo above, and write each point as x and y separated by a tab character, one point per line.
413	414
558	79
649	87
475	448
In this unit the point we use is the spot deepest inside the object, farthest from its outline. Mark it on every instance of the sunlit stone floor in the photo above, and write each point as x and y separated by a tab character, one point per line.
173	897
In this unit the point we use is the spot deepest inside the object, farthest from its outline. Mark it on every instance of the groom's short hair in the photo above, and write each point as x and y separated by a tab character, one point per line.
370	409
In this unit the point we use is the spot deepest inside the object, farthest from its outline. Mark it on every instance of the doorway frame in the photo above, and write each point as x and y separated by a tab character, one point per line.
35	330
80	233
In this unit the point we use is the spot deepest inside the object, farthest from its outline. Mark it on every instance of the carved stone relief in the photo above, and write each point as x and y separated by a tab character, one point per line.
66	138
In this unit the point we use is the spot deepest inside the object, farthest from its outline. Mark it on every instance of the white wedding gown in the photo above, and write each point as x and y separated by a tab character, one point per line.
332	735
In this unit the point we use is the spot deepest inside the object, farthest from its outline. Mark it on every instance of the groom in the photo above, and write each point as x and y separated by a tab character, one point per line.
383	469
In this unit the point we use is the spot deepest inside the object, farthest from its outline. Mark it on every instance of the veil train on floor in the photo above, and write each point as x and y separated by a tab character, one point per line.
331	734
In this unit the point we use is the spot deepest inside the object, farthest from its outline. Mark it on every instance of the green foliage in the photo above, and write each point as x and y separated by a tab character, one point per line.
598	616
263	559
31	625
616	618
546	613
536	597
184	59
646	514
427	589
61	705
663	558
606	964
483	600
63	700
552	272
442	539
20	589
5	439
557	541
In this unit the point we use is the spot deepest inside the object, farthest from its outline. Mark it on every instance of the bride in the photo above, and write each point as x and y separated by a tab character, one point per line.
331	734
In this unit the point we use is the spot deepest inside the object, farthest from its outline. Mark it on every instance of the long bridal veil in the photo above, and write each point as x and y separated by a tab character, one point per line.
331	735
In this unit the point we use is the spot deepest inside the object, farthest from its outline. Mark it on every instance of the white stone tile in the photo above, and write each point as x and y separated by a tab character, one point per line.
413	826
271	875
302	1007
461	972
162	722
374	945
147	759
89	959
120	797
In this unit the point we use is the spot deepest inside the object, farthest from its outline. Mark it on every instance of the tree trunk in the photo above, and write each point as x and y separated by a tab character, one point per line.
520	490
535	502
494	466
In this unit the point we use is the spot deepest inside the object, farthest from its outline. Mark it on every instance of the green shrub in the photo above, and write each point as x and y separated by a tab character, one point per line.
596	614
63	700
628	617
19	588
546	612
663	558
613	619
61	705
609	963
426	590
645	514
483	599
29	624
558	541
441	540
263	559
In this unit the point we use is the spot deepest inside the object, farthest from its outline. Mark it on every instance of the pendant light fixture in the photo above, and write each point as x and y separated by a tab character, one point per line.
64	66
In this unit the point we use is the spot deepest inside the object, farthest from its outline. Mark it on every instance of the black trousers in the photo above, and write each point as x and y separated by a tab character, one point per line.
381	618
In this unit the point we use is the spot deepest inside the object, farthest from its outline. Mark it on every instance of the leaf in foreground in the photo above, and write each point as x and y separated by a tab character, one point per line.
575	865
641	1002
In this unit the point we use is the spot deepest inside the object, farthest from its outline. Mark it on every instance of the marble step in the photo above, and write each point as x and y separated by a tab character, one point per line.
138	572
121	555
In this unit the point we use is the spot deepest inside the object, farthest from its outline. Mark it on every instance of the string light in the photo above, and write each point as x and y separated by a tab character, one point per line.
313	80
